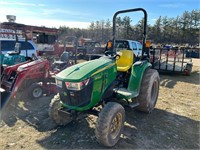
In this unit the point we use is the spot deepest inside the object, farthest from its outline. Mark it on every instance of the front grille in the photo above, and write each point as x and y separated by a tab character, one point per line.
77	98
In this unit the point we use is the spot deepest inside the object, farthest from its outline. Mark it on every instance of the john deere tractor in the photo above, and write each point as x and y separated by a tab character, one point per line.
108	83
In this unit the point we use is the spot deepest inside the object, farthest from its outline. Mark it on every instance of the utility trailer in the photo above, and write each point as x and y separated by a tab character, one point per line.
171	60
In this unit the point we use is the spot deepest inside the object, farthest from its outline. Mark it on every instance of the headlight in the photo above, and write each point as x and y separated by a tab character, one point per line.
19	69
59	83
76	85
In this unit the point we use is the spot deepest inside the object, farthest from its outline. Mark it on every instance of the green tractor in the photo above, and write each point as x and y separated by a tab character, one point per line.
108	83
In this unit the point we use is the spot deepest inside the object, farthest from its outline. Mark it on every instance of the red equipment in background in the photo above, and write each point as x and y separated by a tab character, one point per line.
28	79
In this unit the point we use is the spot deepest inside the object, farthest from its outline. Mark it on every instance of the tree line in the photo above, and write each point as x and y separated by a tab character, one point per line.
177	30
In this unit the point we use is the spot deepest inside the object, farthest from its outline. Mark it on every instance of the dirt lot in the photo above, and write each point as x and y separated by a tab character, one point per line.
174	124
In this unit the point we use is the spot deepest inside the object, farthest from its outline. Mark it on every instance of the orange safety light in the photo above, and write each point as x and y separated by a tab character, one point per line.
148	43
109	44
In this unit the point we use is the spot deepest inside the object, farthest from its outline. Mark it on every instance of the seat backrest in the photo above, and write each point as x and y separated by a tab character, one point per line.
125	61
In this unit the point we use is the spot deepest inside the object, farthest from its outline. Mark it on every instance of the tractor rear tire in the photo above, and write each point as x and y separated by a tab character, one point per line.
110	124
35	91
149	90
53	112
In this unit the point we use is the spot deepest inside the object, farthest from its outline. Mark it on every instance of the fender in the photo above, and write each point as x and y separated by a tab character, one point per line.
136	76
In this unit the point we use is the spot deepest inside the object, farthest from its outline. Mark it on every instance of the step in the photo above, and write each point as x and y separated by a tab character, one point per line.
124	93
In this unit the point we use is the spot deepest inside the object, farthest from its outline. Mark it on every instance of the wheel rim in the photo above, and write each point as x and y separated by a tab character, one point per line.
154	94
116	125
37	92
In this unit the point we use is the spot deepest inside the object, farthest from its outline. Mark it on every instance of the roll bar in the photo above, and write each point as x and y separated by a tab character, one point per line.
144	29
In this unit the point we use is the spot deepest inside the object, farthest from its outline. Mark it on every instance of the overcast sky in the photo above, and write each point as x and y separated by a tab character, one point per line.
80	13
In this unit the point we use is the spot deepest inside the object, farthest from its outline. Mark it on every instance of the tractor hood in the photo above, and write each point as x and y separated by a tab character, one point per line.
82	71
32	65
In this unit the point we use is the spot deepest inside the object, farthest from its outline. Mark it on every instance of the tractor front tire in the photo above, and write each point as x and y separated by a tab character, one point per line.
54	114
110	124
35	91
149	90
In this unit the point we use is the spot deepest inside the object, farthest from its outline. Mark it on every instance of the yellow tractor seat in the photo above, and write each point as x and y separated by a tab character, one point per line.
125	61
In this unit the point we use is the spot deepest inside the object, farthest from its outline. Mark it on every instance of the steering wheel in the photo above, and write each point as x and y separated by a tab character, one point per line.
109	53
